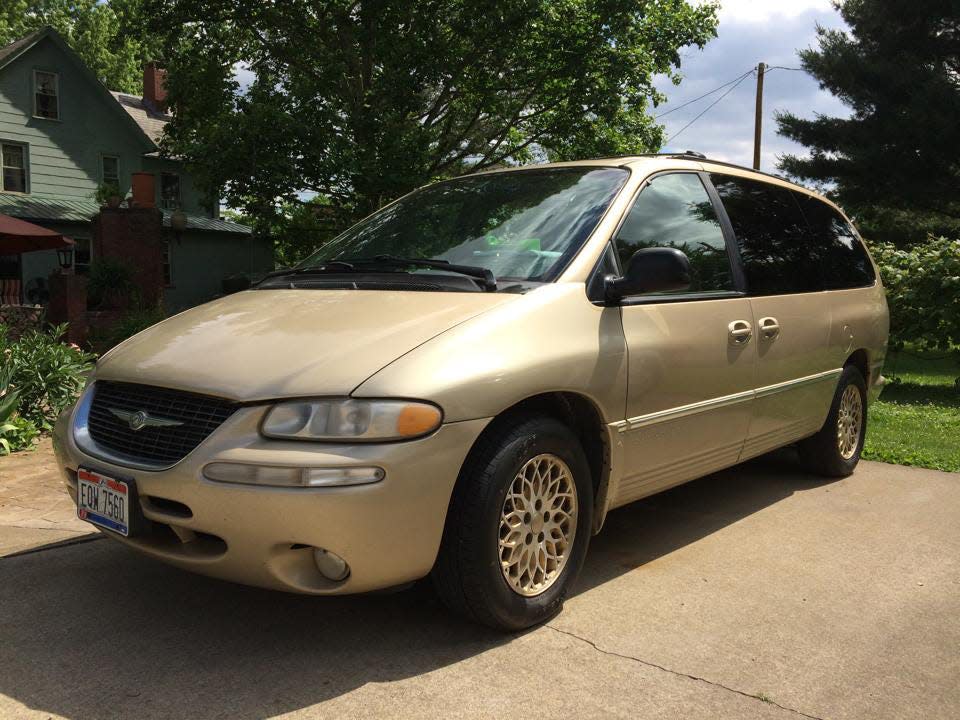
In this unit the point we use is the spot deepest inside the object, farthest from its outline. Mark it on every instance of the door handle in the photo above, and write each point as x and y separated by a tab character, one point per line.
769	328
740	332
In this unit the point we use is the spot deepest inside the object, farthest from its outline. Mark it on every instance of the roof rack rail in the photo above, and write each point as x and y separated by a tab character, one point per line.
693	154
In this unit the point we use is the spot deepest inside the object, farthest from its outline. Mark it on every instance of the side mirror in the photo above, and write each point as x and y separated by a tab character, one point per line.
650	270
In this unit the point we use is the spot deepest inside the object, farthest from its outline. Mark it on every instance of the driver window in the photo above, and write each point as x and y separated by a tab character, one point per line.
675	211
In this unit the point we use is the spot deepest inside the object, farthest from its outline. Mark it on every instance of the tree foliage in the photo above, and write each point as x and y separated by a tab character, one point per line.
362	101
898	69
100	32
923	291
296	228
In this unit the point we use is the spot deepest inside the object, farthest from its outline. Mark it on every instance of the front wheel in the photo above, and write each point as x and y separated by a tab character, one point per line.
835	450
518	526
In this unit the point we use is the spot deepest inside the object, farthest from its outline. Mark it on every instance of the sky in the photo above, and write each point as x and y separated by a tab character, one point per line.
769	31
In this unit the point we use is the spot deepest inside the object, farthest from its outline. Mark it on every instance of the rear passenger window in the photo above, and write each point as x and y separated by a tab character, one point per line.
772	236
675	211
843	259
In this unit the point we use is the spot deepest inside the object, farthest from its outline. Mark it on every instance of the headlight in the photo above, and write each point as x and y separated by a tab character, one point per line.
356	420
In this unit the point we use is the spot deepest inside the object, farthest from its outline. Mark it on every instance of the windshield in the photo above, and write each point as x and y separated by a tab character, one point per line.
522	225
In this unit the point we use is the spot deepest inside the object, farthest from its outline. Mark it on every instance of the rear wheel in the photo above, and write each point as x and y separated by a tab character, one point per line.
518	526
835	450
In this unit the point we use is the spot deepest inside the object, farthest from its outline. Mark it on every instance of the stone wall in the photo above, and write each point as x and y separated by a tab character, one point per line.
20	318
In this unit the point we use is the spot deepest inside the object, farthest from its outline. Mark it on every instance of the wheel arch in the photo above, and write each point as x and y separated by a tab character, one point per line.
582	415
860	360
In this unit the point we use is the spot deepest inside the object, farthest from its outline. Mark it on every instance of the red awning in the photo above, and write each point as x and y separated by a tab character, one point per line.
19	236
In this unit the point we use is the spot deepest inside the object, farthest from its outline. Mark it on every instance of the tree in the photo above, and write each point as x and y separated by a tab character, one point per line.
297	228
898	69
97	31
361	101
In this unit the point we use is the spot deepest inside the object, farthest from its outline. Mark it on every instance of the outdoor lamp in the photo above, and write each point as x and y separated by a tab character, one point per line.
65	257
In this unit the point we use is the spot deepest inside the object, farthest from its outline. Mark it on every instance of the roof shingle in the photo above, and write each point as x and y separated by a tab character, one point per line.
8	51
149	118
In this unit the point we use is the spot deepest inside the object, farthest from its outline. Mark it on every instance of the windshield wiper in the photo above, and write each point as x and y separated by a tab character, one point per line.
331	266
487	277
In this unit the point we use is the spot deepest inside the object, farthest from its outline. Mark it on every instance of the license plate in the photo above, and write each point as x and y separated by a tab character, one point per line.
103	501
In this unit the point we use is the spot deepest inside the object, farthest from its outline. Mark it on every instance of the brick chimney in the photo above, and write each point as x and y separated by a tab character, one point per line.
154	86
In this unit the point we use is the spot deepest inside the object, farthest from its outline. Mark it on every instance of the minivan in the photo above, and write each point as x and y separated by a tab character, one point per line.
465	383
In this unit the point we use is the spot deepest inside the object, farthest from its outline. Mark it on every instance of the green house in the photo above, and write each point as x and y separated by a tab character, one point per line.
62	134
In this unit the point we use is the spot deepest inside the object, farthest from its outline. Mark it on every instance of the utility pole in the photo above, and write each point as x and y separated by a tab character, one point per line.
758	122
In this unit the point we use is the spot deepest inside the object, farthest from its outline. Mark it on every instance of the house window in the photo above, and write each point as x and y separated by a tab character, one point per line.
169	191
110	170
46	100
81	255
14	161
165	259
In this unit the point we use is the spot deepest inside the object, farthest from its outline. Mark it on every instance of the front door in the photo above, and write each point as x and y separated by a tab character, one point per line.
692	354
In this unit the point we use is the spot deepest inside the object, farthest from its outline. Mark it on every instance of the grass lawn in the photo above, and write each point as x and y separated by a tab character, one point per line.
916	421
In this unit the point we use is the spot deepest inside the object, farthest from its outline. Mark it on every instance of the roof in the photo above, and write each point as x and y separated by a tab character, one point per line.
677	160
48	208
13	50
147	117
55	209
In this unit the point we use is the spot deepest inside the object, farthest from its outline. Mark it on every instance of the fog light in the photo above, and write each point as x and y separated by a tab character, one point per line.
331	566
291	476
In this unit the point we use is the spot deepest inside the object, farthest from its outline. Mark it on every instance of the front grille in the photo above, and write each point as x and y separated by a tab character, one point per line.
200	415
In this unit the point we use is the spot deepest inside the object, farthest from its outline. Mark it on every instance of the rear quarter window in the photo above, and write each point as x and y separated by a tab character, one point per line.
843	260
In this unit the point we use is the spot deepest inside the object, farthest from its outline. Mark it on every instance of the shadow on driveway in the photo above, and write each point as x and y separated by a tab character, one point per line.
95	630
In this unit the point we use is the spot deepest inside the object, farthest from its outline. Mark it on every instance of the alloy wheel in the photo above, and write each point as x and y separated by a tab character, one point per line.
538	524
849	421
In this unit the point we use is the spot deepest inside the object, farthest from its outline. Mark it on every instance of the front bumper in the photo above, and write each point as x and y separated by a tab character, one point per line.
388	532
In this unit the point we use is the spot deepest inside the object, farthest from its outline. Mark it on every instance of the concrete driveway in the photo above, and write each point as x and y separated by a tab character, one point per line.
756	592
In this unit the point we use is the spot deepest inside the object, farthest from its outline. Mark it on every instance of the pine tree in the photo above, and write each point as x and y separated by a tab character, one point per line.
898	69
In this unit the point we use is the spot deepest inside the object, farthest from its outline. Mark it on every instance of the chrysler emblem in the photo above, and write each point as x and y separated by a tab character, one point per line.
141	418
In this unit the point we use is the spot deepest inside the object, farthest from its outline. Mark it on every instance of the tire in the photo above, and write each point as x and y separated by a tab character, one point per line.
469	575
825	453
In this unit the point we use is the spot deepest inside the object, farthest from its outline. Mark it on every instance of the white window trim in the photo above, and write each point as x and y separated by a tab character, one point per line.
104	155
26	167
179	200
56	89
77	240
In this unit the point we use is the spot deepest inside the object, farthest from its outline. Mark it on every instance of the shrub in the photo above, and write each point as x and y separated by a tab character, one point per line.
17	433
46	374
133	322
111	285
923	291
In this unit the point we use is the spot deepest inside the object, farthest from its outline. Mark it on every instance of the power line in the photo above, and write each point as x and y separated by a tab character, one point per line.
707	109
690	102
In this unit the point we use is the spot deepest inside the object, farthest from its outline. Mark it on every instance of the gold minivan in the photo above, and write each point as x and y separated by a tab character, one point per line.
464	384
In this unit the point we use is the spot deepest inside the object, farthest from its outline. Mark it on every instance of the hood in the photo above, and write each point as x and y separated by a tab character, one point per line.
266	344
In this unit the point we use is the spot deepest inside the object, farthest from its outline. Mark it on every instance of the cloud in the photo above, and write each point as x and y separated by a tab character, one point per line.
749	32
763	10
